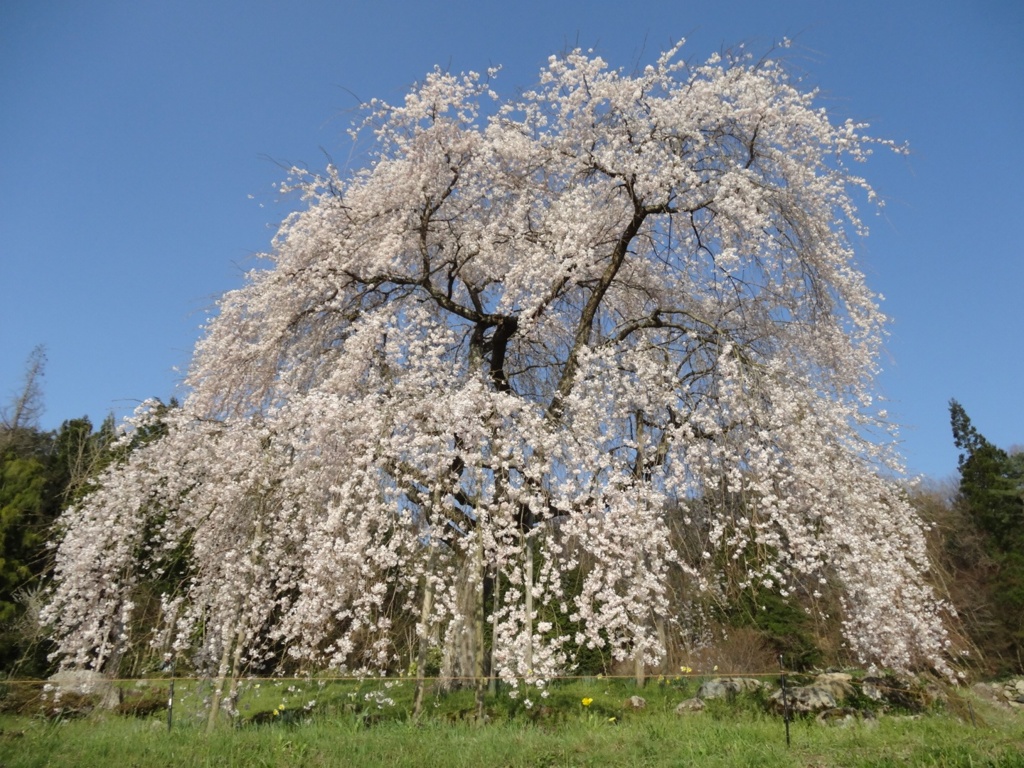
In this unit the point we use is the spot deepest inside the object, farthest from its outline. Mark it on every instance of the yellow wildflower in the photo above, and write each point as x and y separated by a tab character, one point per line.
587	701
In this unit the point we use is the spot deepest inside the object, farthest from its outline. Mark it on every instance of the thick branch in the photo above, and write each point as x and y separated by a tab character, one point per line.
586	323
499	345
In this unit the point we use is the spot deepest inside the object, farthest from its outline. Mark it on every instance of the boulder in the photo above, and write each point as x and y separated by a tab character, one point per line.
1013	692
86	682
1000	694
892	691
725	687
874	688
837	683
804	698
690	705
636	702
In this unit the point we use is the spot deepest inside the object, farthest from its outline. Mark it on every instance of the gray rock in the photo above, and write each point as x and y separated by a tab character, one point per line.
87	682
894	691
690	705
837	683
636	702
83	681
724	687
874	688
804	698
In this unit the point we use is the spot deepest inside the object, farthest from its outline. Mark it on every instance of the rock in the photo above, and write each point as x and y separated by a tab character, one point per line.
840	716
1000	694
804	698
636	702
894	691
1012	691
690	705
837	683
83	681
724	687
86	682
873	688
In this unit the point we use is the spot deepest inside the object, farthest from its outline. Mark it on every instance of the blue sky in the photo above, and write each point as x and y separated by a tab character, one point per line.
141	144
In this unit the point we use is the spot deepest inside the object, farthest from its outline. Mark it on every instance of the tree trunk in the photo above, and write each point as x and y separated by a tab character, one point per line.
424	647
218	687
236	664
528	604
478	629
237	646
492	684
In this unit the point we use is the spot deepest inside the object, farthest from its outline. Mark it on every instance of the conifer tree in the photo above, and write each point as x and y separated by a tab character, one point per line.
992	490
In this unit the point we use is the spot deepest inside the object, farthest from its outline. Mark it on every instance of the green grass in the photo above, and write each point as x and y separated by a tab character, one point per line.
348	730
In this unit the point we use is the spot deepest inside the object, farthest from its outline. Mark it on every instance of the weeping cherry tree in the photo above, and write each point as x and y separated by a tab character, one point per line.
517	344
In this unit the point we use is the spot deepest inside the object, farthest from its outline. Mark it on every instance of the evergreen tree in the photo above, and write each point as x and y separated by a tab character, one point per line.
41	472
23	484
25	511
992	491
991	481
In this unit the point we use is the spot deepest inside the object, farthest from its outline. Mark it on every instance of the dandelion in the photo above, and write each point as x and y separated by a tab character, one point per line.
587	701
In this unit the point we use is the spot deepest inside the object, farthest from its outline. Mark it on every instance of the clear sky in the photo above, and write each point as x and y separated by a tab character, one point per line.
141	144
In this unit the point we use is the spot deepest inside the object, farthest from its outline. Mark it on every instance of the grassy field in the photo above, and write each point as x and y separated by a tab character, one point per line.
343	729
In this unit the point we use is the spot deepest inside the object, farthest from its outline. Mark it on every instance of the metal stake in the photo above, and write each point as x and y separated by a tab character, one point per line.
785	698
